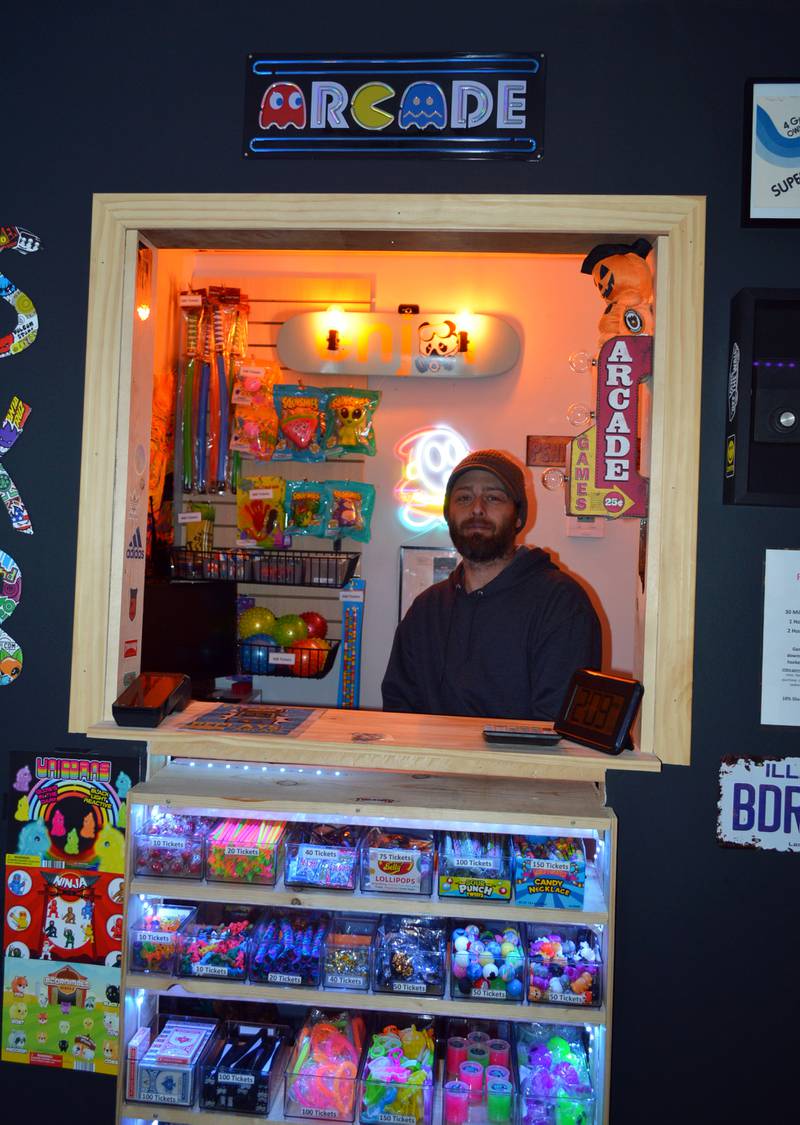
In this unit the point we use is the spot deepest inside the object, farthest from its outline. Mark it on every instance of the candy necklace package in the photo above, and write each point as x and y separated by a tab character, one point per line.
260	512
242	1071
549	871
301	423
348	421
349	509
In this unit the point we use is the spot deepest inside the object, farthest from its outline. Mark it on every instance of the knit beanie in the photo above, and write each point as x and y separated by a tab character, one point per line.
501	466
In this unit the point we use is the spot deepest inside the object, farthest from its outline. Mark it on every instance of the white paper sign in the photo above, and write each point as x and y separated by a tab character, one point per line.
759	804
775	161
780	661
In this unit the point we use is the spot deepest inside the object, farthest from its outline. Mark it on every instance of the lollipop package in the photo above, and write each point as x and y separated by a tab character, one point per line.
301	423
349	507
255	423
348	421
259	512
305	507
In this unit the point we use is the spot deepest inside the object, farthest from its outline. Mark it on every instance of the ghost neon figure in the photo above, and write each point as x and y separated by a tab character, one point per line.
429	455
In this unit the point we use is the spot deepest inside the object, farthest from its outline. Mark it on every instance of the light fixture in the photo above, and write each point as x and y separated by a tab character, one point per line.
335	319
144	270
333	340
553	479
579	414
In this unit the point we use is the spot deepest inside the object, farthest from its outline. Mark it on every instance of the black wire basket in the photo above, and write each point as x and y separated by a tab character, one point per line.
319	569
304	663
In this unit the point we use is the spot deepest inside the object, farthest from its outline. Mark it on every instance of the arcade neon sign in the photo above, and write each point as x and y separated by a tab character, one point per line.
456	105
428	457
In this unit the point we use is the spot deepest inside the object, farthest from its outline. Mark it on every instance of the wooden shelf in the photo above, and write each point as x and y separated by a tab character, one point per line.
191	890
303	793
432	744
365	1001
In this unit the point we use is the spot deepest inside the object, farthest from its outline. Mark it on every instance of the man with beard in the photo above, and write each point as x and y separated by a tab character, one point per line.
502	635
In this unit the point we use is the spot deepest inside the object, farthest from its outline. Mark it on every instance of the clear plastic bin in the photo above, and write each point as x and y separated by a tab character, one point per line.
243	1070
487	962
549	871
155	938
410	956
323	855
348	951
217	944
244	851
398	861
474	866
172	845
288	949
564	965
555	1078
163	1059
406	1046
321	1080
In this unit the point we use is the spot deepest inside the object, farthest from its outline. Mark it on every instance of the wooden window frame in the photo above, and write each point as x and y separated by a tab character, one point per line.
676	225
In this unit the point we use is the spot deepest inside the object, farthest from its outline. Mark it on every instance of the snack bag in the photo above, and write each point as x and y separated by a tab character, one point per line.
349	507
305	507
200	533
260	513
301	423
348	421
254	429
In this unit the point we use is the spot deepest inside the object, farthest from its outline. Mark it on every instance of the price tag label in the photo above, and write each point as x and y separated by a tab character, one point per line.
189	517
351	595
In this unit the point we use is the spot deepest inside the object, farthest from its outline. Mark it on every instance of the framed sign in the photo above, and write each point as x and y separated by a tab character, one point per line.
421	567
474	106
771	188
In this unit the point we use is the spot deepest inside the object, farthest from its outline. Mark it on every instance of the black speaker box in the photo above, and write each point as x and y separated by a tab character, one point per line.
762	434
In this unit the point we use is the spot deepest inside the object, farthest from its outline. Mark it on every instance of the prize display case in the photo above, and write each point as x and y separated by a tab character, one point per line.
337	964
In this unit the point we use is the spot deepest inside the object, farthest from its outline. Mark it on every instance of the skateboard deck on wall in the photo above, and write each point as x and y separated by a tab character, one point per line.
429	345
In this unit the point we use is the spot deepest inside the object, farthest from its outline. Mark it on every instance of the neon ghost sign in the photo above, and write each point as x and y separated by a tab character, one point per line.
428	455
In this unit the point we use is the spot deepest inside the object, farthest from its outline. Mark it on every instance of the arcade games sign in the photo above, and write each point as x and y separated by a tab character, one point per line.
454	105
603	473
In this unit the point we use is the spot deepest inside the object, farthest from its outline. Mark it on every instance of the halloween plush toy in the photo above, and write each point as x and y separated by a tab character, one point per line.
623	279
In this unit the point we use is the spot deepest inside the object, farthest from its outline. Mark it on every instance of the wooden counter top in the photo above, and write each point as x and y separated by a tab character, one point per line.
381	740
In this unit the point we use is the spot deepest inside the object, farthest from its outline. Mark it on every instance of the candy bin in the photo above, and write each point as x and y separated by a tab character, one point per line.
244	851
348	951
243	1069
475	866
288	948
323	855
410	956
564	965
218	944
155	938
322	1075
398	1074
163	1059
555	1081
397	860
480	1078
549	871
172	845
487	962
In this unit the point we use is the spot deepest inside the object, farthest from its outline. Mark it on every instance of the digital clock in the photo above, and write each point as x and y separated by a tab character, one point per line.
598	711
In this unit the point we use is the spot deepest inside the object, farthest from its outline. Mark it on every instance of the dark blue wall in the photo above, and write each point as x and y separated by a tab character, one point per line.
642	97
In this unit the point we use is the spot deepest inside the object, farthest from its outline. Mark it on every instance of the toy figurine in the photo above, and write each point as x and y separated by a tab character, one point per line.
625	282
